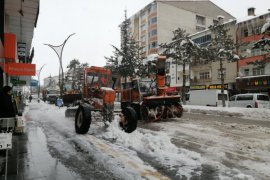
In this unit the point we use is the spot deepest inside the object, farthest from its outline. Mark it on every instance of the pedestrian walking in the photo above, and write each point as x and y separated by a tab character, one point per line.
30	98
7	106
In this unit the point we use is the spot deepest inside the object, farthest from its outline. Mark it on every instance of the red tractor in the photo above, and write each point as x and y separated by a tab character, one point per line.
150	98
98	96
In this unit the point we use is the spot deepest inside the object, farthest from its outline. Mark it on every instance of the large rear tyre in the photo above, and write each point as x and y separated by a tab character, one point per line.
131	120
82	120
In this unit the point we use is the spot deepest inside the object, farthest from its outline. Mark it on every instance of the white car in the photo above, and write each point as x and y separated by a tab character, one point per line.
251	100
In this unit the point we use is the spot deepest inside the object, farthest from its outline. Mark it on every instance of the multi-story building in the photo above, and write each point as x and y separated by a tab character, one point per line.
207	75
155	23
254	69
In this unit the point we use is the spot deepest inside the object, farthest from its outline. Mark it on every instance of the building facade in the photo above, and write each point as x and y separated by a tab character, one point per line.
254	68
207	75
155	23
17	22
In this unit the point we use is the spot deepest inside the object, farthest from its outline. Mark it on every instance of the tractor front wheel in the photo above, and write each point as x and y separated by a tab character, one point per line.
131	119
82	120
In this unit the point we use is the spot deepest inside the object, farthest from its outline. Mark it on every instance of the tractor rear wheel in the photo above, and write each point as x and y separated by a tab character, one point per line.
131	120
82	120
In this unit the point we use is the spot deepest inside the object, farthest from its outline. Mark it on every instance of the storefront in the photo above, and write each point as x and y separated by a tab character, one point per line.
254	84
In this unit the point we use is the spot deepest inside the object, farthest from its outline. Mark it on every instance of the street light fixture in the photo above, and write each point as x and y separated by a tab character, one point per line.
39	71
59	50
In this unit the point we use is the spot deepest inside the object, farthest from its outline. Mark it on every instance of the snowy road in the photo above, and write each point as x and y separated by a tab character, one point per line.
197	146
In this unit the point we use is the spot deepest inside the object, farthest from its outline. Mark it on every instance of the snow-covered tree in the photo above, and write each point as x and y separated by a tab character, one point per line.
182	50
126	60
220	49
75	73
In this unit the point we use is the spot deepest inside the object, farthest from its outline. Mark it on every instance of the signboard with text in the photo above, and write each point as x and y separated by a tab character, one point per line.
21	51
20	69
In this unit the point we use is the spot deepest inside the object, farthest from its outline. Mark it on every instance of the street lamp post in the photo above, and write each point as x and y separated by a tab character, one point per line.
39	80
59	50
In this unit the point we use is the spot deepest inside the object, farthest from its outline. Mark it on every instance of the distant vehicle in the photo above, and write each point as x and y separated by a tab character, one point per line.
52	96
251	100
209	97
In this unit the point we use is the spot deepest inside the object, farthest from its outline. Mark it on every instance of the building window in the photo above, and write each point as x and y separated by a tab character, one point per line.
152	21
168	65
143	27
143	50
199	28
215	22
143	16
246	72
204	75
245	32
152	33
258	71
258	30
256	52
152	8
143	38
219	73
200	20
203	40
153	45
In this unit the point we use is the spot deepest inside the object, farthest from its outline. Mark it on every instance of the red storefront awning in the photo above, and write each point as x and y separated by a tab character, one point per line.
20	69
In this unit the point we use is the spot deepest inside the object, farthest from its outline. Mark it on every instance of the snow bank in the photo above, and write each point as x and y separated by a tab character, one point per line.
248	113
157	145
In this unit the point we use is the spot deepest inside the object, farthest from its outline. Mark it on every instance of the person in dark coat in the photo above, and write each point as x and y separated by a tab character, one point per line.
6	104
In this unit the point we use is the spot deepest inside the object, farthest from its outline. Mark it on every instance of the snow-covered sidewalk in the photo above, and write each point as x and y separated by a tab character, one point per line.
248	113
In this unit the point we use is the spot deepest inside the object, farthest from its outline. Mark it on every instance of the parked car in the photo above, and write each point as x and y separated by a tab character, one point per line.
208	97
251	100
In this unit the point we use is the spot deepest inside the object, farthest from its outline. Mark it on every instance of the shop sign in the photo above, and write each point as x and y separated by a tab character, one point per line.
259	83
5	140
20	69
198	87
17	88
18	82
34	83
217	86
21	51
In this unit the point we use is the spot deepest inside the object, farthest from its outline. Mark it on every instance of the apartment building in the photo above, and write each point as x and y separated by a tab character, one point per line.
154	24
254	69
205	75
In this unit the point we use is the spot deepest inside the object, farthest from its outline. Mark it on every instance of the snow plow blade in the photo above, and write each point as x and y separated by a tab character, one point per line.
155	108
71	111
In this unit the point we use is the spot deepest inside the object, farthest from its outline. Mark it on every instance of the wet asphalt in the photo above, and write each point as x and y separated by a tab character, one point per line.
29	158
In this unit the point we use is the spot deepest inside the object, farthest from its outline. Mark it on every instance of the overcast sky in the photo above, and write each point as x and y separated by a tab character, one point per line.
96	26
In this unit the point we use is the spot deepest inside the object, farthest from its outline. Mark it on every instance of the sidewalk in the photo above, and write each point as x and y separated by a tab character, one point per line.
29	158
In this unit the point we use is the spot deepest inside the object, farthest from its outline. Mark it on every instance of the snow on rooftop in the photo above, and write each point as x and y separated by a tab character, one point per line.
247	18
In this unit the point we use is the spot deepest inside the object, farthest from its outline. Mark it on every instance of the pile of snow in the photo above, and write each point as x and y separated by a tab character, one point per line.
248	113
158	146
